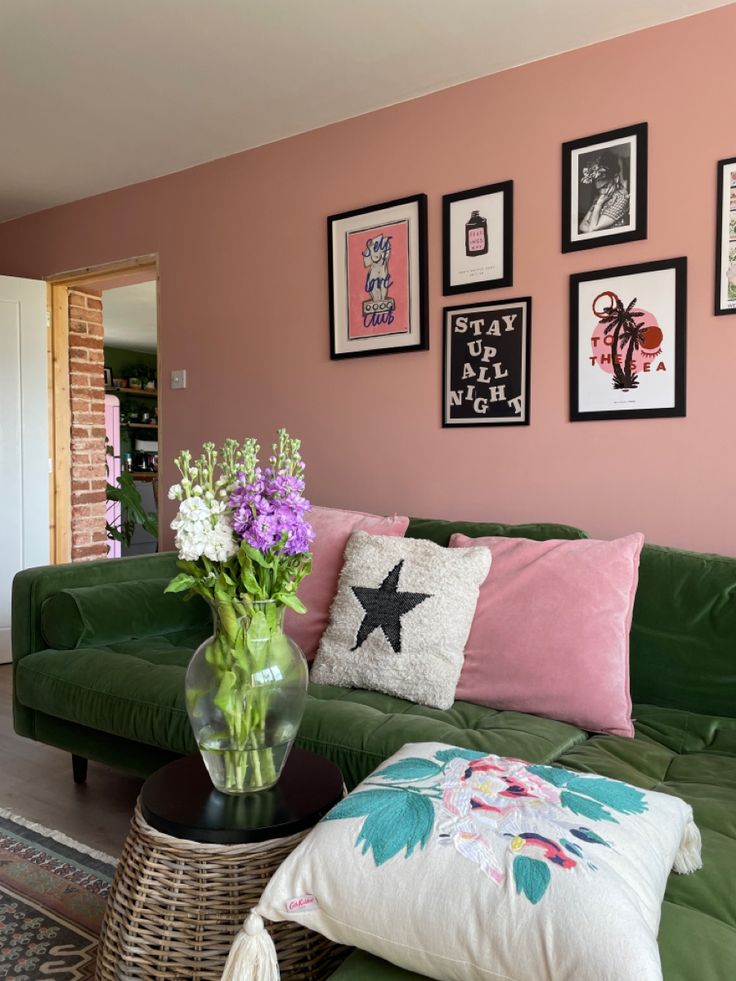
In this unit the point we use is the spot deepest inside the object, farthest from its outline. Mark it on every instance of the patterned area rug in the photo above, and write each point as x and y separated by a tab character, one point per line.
52	898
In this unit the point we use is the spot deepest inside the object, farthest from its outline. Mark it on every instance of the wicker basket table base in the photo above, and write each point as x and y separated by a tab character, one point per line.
175	906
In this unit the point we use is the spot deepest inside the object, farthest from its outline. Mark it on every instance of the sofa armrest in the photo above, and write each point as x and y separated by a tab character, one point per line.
32	587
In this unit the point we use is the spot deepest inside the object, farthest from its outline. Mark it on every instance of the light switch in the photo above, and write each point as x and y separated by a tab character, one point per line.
179	378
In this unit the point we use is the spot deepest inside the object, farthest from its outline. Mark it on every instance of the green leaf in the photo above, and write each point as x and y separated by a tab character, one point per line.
256	556
531	877
224	697
357	804
396	820
445	755
258	633
181	583
552	774
583	805
292	601
413	768
614	794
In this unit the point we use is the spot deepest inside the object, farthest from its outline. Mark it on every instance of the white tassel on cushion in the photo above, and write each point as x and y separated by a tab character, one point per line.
688	855
252	956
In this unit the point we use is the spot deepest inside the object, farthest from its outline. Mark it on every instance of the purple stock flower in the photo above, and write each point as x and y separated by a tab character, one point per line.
269	506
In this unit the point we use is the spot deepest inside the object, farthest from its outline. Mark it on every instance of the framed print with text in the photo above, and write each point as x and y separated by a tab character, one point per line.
726	238
478	239
377	258
604	189
627	341
486	362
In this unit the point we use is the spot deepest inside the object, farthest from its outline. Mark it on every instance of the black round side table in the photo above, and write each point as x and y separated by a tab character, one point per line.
196	861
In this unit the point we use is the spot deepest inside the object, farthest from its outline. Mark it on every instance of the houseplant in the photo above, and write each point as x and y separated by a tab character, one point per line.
244	546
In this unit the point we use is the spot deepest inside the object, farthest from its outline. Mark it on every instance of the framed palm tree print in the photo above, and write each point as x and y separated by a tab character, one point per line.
627	341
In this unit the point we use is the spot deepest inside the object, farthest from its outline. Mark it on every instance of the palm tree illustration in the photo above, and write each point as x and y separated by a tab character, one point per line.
633	333
620	319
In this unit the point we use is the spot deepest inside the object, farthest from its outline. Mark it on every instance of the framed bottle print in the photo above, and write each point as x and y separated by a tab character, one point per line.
477	239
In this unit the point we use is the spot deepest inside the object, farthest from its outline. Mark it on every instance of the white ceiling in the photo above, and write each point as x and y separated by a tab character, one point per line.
96	95
129	317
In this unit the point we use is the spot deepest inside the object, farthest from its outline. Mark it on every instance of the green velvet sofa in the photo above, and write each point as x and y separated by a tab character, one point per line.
99	655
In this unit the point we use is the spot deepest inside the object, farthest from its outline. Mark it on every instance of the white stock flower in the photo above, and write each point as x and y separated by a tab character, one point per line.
175	492
203	530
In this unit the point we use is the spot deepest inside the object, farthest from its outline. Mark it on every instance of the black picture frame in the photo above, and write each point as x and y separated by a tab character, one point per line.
659	345
108	377
490	352
725	291
408	305
581	159
463	271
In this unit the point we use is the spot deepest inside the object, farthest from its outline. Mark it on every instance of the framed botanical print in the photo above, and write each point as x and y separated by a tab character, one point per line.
627	341
726	238
486	363
377	260
478	239
604	189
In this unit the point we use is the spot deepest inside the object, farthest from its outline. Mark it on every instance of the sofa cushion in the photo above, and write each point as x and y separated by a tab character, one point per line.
447	847
359	729
694	757
440	531
86	616
683	653
551	630
401	617
332	529
134	689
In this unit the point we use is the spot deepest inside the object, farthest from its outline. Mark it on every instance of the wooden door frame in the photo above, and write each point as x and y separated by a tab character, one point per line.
110	275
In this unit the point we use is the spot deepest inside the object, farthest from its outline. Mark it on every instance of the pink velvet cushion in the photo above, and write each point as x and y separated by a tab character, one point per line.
551	630
332	529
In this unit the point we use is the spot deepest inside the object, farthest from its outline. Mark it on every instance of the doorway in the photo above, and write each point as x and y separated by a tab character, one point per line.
90	473
129	319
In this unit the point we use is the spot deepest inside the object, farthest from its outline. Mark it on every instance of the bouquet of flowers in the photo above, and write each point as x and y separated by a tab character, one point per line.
244	545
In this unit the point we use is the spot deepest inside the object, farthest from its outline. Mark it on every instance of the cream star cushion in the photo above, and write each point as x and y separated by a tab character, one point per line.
401	617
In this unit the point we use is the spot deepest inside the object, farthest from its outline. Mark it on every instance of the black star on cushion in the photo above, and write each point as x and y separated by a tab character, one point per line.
384	608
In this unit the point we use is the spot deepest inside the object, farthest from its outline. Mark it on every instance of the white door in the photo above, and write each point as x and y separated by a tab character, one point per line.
24	442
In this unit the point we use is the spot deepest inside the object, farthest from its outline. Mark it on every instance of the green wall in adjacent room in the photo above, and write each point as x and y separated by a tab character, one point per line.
118	359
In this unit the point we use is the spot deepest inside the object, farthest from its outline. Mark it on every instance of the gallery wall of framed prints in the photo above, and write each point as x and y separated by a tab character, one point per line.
627	323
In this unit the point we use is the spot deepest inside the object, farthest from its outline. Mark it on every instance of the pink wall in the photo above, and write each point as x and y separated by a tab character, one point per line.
242	246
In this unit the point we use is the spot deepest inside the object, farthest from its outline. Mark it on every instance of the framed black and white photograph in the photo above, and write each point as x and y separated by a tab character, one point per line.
627	341
726	238
604	189
108	377
486	363
478	238
377	261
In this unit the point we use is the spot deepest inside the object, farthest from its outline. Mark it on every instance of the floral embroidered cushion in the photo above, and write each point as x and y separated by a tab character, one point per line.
462	866
332	528
401	617
551	630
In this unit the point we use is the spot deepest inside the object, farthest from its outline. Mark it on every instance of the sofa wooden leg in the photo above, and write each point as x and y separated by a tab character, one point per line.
79	766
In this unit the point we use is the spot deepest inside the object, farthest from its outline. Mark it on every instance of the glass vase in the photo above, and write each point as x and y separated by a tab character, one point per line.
246	686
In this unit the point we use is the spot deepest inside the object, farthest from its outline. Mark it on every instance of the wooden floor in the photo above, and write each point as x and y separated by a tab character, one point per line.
36	783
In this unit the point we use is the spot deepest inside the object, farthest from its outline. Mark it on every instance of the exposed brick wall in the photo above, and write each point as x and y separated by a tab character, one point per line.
87	394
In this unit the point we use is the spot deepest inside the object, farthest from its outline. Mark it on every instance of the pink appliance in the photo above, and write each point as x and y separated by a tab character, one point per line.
112	431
